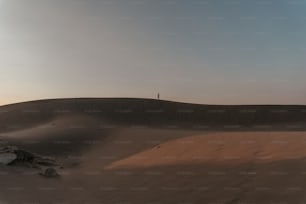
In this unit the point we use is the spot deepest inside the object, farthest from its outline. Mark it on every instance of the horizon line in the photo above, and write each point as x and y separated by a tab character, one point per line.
145	98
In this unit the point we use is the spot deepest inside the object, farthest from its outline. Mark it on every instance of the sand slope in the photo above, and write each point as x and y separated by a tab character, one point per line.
107	161
191	167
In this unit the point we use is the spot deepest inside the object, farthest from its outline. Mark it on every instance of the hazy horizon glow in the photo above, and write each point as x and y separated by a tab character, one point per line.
212	52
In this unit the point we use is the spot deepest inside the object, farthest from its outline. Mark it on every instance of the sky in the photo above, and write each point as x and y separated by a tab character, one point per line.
200	51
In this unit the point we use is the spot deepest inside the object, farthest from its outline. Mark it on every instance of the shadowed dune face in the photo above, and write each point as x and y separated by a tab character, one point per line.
155	113
108	158
62	136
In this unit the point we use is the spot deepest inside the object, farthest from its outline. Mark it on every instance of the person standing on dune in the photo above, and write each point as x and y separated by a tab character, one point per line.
158	96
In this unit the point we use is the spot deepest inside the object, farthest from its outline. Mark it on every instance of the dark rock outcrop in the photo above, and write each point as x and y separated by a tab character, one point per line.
13	156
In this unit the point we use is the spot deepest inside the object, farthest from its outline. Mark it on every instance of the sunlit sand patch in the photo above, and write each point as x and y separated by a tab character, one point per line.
220	148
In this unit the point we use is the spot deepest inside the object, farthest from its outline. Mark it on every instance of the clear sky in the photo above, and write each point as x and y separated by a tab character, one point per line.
213	51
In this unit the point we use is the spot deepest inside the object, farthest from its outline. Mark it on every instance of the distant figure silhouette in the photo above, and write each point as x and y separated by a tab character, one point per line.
158	96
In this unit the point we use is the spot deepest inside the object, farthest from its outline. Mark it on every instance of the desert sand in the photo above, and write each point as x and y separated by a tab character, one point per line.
104	161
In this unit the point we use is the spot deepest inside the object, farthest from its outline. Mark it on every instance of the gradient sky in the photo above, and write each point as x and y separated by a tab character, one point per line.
214	51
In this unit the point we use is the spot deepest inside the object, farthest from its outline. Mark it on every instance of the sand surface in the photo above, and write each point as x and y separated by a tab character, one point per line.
109	164
144	165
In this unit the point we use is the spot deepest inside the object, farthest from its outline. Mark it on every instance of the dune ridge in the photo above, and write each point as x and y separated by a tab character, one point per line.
155	113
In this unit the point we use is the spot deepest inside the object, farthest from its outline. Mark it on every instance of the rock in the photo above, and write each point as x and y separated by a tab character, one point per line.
50	173
7	158
24	156
8	149
13	156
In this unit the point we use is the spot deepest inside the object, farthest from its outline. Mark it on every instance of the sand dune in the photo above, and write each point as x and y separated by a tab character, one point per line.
155	113
136	159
